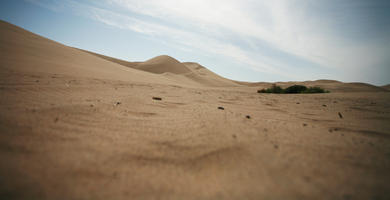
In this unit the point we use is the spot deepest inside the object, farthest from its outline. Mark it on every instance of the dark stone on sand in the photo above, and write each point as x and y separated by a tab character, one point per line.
324	105
221	108
276	146
248	117
340	115
304	124
117	103
298	103
157	98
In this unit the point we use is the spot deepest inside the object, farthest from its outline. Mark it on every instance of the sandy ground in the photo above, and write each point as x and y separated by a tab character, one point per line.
79	126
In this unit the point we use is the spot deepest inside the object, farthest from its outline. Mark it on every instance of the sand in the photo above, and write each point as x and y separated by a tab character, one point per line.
387	87
78	125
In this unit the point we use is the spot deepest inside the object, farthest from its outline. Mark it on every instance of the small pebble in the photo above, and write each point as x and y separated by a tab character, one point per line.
340	115
221	108
157	98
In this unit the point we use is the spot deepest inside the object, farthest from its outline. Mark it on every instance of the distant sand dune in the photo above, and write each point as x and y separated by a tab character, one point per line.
331	85
194	72
162	64
387	87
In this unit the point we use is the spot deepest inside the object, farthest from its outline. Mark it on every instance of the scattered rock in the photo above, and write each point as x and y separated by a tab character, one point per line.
221	108
333	129
157	98
304	124
56	120
324	105
91	105
117	103
298	103
248	117
340	115
334	101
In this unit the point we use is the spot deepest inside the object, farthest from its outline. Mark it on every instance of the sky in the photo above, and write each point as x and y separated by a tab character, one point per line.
247	40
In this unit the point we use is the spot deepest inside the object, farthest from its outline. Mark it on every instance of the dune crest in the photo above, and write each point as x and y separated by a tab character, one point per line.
387	87
162	64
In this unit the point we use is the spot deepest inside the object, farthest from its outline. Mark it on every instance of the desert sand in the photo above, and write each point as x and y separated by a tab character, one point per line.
387	87
79	125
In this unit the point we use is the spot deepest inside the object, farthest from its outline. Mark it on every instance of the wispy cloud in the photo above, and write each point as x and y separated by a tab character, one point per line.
290	33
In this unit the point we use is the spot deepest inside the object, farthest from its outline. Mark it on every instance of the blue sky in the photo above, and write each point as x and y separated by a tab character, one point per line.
249	40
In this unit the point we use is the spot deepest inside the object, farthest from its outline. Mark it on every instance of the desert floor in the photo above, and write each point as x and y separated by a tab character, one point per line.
77	126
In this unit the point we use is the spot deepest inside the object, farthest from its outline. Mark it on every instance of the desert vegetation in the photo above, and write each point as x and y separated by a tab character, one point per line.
295	89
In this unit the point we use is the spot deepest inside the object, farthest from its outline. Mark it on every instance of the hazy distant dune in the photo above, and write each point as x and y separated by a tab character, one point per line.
162	64
387	87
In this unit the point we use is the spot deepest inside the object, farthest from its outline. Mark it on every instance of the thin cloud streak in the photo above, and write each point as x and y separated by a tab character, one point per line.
289	26
292	34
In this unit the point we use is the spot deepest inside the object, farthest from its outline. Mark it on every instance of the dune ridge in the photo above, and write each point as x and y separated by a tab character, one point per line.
162	64
197	74
387	87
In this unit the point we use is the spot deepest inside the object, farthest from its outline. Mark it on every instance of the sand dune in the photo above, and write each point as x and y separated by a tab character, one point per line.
24	51
114	60
163	64
79	125
190	72
387	87
331	85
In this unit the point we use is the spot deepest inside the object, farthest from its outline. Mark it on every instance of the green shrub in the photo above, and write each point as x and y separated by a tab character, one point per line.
314	90
274	89
295	89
